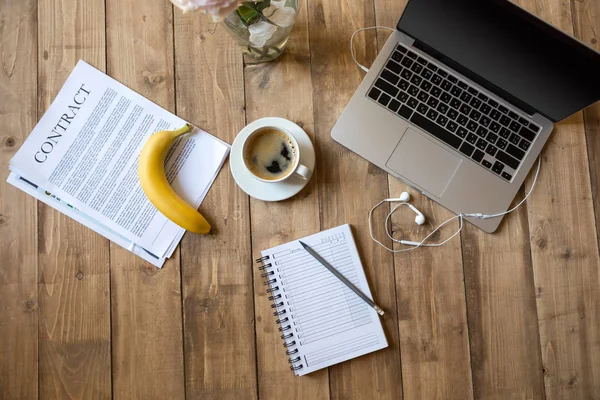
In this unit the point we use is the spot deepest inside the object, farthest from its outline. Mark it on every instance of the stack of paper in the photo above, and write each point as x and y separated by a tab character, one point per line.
81	159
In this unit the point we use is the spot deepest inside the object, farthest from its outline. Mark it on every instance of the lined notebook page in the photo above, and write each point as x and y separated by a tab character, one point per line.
328	323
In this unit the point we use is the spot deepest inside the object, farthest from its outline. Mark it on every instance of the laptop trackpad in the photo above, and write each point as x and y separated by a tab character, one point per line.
424	163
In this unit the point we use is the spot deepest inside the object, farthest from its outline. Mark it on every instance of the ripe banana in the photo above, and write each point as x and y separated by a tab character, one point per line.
151	171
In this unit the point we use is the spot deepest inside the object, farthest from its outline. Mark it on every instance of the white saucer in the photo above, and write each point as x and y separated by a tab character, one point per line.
271	191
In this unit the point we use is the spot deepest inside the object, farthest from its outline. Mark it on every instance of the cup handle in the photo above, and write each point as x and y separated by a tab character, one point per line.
303	172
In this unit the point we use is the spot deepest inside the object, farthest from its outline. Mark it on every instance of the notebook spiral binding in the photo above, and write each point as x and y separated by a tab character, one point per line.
280	312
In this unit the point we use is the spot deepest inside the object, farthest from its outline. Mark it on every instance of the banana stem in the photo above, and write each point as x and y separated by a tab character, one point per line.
187	128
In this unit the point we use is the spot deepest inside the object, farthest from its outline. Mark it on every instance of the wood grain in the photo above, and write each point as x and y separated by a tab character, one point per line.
220	358
18	211
74	286
432	316
147	318
349	186
564	252
283	88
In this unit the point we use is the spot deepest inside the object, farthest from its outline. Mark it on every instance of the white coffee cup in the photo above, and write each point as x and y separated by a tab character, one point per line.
295	168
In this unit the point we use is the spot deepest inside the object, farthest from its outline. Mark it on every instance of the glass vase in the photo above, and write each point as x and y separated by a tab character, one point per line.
262	28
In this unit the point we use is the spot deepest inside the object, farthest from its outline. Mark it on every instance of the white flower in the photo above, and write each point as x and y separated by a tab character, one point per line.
260	32
217	8
279	14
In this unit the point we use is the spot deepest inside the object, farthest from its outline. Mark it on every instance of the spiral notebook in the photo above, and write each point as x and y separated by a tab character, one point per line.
322	322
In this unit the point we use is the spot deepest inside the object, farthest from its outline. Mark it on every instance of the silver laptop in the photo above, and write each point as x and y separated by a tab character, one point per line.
462	99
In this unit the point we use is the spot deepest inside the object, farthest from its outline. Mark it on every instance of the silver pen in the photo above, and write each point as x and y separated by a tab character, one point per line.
342	278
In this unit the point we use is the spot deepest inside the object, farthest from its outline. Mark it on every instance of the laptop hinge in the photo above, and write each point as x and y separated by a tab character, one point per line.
474	77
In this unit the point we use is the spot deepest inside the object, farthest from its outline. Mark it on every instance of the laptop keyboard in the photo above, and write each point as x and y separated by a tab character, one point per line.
454	112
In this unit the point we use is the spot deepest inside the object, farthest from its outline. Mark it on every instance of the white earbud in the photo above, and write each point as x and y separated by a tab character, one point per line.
404	198
420	218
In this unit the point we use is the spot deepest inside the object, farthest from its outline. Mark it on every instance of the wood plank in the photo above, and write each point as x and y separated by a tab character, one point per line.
350	186
74	285
565	254
220	359
283	88
146	302
434	337
18	211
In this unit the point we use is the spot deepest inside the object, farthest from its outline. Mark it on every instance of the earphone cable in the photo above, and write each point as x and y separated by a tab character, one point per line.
352	43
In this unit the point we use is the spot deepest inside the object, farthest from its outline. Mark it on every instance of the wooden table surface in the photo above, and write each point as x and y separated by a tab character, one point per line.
513	315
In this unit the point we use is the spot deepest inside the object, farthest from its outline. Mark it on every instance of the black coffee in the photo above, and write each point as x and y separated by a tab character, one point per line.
270	154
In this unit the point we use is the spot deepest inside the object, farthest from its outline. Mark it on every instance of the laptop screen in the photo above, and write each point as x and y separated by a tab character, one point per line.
515	55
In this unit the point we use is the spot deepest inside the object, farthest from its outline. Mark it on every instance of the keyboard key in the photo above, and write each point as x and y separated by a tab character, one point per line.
504	120
466	97
452	126
413	90
456	91
505	133
433	102
524	145
446	85
436	79
412	102
456	103
394	105
436	130
491	150
467	149
384	99
483	97
422	108
514	139
485	109
406	74
397	56
394	67
534	127
374	93
452	79
495	115
390	76
462	85
412	55
452	113
503	109
443	73
423	96
462	132
403	84
432	67
478	155
442	120
401	49
421	60
527	133
485	121
486	163
472	126
507	176
426	74
498	167
492	137
501	143
495	127
475	102
462	119
475	115
387	87
523	121
403	97
506	159
442	108
416	79
481	144
436	91
515	126
465	109
493	103
405	112
473	91
471	138
432	114
416	68
515	152
482	132
407	62
426	85
513	115
445	97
